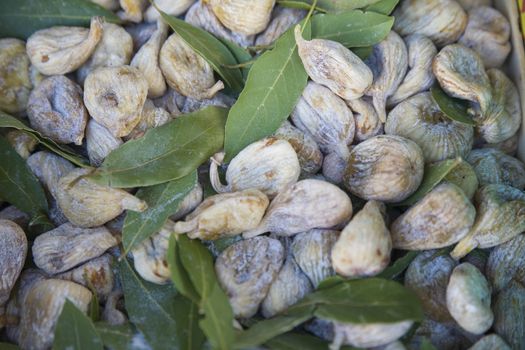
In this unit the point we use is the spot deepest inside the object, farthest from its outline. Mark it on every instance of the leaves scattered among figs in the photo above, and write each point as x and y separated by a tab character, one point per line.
21	18
399	266
328	6
118	337
383	6
166	153
453	108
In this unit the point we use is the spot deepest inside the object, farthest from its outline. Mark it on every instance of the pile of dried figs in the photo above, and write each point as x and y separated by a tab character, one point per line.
235	174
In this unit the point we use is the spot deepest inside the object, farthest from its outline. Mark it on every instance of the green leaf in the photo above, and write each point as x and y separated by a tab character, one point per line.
18	185
353	28
209	48
38	224
330	6
370	300
21	18
293	341
400	265
434	174
241	56
94	307
426	344
166	319
117	337
179	276
265	330
165	153
363	52
217	323
74	330
274	85
453	108
8	121
7	346
384	6
330	282
163	200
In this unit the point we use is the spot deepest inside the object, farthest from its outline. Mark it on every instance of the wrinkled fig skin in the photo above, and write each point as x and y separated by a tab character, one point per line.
487	33
468	299
312	252
132	10
334	167
441	218
115	96
200	15
246	270
150	256
389	64
304	145
502	119
189	203
56	110
506	262
61	50
306	205
509	319
331	64
443	21
283	18
49	168
174	8
470	4
140	33
446	336
495	167
368	335
67	246
464	176
428	275
460	72
364	246
151	117
367	123
241	16
419	119
290	286
22	142
146	60
87	204
419	77
500	217
384	168
42	308
508	146
113	50
219	100
326	117
490	342
15	215
186	71
99	142
13	251
97	273
111	313
226	214
269	165
15	81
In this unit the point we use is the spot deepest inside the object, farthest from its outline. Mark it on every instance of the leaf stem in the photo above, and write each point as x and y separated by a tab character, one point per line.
310	12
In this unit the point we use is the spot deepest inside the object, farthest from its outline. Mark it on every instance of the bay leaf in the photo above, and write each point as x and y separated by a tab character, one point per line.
163	200
383	6
118	337
265	330
18	185
399	266
8	346
330	282
330	6
426	344
371	300
74	330
363	52
241	56
165	153
178	274
8	121
454	108
353	28
21	18
209	48
275	83
293	341
434	174
166	318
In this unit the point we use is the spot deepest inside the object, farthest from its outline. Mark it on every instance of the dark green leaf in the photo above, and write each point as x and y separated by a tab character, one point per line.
426	345
434	174
330	282
20	18
165	153
384	6
74	330
363	52
217	323
7	346
274	85
265	330
39	223
241	55
298	4
453	108
118	337
165	318
330	6
370	300
179	276
210	48
7	121
293	341
398	266
163	200
353	28
18	185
